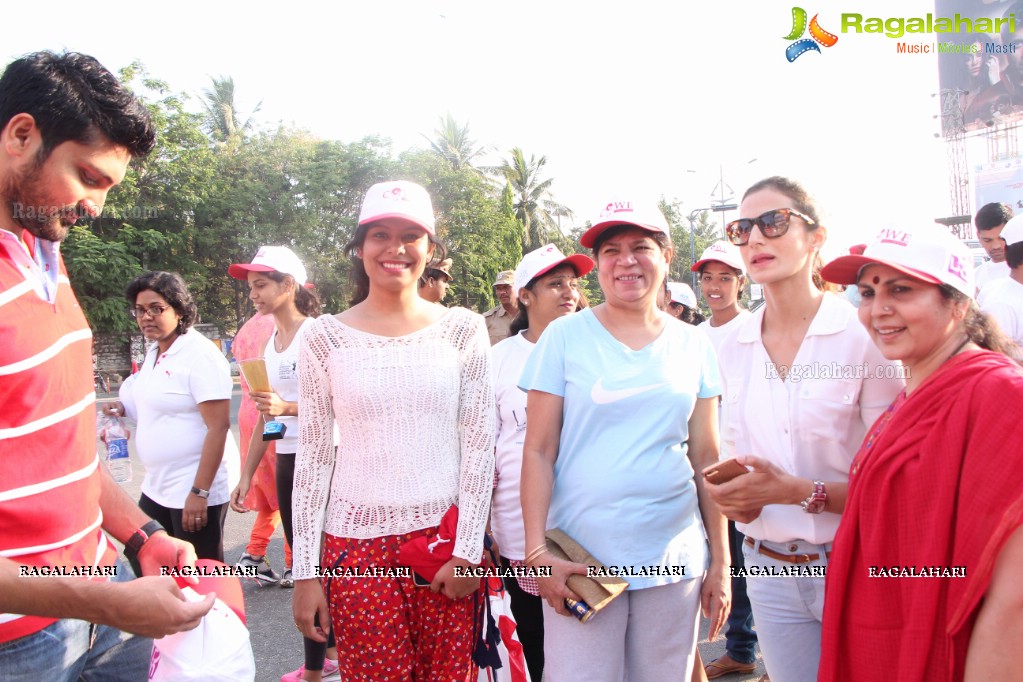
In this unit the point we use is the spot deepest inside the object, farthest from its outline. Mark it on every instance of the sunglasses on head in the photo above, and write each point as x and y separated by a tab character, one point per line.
772	224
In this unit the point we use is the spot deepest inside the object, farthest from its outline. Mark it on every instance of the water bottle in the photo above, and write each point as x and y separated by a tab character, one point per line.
116	438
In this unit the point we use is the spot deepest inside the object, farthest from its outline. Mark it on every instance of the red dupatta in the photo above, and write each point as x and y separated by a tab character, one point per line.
938	486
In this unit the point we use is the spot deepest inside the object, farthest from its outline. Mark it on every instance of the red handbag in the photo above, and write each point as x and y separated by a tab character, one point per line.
427	553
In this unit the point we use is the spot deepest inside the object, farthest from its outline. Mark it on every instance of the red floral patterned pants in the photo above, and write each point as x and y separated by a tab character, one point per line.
389	629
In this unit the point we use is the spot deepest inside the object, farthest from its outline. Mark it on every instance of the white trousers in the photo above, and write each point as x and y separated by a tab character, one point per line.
646	635
788	612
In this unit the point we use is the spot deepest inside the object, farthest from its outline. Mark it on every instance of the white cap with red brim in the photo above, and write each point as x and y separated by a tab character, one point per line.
645	216
927	253
398	202
723	252
541	261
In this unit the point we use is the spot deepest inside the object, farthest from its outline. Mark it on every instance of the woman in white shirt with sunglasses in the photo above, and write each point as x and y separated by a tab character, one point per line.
802	383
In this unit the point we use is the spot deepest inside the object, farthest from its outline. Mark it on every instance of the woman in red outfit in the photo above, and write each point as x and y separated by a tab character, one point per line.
923	583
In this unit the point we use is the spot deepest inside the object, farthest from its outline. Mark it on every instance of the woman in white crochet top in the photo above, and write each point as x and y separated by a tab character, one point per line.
408	384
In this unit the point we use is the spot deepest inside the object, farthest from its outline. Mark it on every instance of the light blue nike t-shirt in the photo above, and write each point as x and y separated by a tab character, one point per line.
623	485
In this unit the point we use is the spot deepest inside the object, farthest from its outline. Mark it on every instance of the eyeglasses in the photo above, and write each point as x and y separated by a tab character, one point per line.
772	224
154	310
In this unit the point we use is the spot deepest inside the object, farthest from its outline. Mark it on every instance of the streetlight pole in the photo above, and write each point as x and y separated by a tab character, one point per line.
719	208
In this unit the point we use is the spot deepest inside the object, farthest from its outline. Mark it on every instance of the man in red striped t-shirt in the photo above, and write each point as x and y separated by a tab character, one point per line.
68	129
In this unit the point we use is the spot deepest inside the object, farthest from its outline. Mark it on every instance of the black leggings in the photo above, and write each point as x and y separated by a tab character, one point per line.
314	651
208	542
528	611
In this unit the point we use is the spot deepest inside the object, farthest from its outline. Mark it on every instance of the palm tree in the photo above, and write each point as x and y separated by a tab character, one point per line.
532	199
221	121
453	143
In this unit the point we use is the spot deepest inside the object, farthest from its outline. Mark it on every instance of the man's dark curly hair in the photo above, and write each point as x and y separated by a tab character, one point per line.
73	97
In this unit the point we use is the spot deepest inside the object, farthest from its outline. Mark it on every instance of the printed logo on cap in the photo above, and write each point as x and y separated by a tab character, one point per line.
717	247
890	236
956	267
616	207
395	194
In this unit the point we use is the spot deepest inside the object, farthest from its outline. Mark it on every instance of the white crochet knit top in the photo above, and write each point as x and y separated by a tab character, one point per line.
415	415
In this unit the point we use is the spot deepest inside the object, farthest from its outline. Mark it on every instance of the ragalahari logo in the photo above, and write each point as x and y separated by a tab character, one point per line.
818	35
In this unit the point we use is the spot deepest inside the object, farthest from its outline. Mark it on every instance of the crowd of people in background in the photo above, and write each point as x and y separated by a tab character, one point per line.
869	528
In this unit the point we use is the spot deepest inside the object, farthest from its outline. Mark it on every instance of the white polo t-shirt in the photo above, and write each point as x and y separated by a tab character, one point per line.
163	398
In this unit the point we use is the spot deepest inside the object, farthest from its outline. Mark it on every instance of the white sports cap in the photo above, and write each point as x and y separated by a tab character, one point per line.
643	215
682	293
927	253
723	252
398	202
541	261
1012	233
271	259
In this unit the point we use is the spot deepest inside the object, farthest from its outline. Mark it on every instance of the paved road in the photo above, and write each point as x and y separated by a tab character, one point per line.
275	642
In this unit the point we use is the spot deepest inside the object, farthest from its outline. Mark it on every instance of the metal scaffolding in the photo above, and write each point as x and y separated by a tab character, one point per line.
954	132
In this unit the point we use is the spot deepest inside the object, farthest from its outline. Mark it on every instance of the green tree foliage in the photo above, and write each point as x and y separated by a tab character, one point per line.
478	228
452	142
141	225
330	188
222	121
705	230
533	201
284	188
214	190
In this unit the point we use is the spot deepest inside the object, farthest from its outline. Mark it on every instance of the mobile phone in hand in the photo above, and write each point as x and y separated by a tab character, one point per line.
722	472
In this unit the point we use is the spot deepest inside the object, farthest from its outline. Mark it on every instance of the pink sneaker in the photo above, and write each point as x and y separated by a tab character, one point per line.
331	673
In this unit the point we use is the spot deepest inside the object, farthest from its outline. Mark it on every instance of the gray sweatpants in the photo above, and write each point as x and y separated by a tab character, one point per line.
646	635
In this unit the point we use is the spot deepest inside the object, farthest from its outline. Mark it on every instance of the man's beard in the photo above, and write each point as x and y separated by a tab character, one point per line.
23	195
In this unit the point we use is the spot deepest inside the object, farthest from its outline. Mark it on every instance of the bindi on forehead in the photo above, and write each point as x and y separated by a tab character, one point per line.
876	280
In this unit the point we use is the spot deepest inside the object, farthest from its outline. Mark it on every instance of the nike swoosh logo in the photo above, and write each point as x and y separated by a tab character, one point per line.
603	396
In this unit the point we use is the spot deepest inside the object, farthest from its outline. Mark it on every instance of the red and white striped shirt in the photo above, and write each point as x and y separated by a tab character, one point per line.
50	485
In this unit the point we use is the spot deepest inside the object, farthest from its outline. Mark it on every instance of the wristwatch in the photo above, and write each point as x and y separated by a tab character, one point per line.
817	500
205	494
139	538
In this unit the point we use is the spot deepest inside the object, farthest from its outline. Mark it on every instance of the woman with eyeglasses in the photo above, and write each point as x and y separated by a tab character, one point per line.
181	399
802	383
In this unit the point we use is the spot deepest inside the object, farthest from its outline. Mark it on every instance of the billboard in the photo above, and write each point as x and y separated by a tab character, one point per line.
981	61
1000	182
